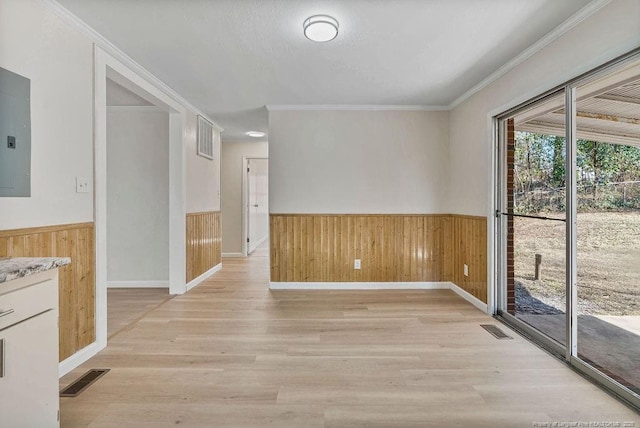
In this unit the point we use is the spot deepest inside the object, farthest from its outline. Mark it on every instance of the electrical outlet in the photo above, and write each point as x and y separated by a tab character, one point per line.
466	270
356	264
82	185
11	142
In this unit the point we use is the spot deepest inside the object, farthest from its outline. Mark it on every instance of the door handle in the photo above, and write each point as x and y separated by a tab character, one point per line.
498	214
255	206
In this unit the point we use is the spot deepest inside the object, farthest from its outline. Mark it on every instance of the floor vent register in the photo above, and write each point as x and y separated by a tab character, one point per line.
495	331
83	382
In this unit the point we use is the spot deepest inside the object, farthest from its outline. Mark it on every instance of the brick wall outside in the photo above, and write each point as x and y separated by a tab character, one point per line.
511	289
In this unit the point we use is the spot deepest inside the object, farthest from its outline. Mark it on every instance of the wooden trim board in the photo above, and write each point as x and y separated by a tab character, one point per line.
43	229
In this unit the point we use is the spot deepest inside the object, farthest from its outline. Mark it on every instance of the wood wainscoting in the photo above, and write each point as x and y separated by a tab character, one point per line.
204	242
391	247
466	243
76	281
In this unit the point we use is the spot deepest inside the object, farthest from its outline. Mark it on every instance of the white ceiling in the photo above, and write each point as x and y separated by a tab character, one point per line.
230	58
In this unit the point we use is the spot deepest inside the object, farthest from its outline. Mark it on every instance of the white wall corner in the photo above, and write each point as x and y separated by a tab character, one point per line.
469	297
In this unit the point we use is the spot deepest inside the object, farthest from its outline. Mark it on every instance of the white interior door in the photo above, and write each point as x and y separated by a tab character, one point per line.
258	202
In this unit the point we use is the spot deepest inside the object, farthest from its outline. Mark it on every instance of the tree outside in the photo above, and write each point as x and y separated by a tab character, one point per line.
608	242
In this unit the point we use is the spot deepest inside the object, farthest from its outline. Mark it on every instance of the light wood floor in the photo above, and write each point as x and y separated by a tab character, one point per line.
125	306
232	353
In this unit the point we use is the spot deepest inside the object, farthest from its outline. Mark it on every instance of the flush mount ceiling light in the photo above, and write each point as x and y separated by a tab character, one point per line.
320	28
255	134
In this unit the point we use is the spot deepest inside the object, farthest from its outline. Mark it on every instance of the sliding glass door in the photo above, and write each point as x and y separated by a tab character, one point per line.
535	217
608	224
568	216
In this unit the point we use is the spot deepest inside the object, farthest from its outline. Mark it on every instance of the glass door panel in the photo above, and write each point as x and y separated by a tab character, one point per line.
608	225
536	217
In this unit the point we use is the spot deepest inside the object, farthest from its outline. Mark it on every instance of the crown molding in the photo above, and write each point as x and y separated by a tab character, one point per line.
117	53
573	21
151	109
549	38
353	107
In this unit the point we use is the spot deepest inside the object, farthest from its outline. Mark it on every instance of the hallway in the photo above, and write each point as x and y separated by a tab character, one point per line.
232	353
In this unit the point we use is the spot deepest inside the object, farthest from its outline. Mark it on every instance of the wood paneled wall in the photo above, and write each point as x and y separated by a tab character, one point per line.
322	248
466	243
204	239
392	248
76	281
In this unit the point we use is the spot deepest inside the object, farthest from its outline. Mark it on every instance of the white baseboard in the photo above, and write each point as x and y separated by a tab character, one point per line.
232	255
381	286
77	359
469	297
204	276
359	285
138	284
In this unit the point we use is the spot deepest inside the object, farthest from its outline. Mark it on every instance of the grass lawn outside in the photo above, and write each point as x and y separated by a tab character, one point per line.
608	261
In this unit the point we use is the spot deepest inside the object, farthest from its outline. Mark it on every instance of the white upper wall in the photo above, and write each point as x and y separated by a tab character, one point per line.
231	174
321	161
609	33
137	194
358	161
35	43
203	175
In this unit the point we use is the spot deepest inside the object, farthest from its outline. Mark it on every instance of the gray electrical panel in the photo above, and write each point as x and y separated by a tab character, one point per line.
15	134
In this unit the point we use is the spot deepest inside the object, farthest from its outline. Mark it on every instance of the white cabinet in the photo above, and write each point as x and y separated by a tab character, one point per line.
29	351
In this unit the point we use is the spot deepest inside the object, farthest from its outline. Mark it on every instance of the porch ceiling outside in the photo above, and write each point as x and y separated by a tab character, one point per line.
612	116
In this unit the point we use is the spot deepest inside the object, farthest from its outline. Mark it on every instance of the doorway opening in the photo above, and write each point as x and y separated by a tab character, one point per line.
256	204
137	206
172	116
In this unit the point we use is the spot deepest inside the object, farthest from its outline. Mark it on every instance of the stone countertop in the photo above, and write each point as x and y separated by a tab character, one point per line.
18	267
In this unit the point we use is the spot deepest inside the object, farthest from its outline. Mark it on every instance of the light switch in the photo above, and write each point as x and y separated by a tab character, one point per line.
82	185
466	270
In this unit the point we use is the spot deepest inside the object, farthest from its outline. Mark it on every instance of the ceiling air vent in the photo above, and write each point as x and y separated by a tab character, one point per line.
206	138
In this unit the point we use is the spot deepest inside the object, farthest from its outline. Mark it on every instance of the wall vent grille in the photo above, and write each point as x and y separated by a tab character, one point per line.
206	138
